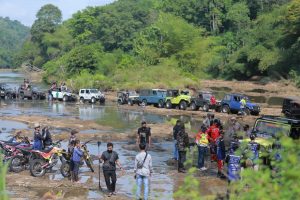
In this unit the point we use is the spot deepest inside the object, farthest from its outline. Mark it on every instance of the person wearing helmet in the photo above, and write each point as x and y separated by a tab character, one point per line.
213	133
253	148
233	160
37	138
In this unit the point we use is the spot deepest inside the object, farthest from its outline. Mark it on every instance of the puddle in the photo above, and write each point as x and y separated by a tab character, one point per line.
7	126
257	99
275	101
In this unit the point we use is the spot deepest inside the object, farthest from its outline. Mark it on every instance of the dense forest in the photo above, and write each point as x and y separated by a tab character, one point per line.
167	43
12	36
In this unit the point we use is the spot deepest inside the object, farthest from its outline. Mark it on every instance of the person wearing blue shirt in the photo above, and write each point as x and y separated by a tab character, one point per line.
37	138
254	148
233	161
76	158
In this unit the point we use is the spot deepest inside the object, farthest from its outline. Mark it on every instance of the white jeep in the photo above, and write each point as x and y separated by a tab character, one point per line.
63	94
91	95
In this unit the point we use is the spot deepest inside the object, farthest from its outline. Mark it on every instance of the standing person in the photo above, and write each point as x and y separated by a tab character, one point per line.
72	140
220	155
143	170
213	133
144	135
182	145
76	158
37	138
110	159
175	132
234	127
47	139
254	148
208	121
233	161
243	103
202	143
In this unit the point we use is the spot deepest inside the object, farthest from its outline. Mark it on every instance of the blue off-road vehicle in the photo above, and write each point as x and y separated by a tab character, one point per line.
153	96
231	103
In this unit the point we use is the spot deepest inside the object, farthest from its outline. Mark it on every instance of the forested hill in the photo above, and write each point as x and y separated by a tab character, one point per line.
167	43
12	36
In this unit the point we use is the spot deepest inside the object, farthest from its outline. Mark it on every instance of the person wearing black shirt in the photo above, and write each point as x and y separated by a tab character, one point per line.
47	139
110	159
144	135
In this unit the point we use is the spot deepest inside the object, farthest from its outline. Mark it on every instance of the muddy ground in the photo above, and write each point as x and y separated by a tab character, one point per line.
25	186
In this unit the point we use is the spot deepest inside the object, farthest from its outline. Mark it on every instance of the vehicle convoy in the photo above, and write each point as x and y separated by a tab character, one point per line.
128	97
205	100
291	107
91	95
6	92
231	103
30	93
63	94
176	98
153	97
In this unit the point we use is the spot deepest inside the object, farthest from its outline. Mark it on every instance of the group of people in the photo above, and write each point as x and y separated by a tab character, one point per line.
211	137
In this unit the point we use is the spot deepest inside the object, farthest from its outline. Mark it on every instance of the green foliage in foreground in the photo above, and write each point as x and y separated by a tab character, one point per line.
188	39
3	169
282	182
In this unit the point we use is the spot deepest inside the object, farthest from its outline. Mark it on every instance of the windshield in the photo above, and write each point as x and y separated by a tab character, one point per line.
94	91
269	129
133	93
206	96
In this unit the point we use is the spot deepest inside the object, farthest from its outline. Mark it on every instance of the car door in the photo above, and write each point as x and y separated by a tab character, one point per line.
235	103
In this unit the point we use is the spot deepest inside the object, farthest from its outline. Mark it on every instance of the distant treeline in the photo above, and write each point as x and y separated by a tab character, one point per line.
166	43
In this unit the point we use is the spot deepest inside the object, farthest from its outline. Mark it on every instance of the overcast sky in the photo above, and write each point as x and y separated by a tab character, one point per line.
25	10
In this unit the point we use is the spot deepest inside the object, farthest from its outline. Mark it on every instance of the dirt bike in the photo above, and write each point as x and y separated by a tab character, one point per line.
65	168
21	160
42	160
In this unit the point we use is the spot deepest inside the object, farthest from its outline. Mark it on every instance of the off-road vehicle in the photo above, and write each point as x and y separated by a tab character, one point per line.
291	107
176	98
231	104
204	100
30	93
128	97
91	95
153	96
63	94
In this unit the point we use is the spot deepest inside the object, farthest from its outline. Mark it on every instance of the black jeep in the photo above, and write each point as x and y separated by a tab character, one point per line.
30	93
6	92
291	107
204	100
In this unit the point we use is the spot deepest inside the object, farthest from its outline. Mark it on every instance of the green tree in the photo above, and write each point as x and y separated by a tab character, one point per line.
48	18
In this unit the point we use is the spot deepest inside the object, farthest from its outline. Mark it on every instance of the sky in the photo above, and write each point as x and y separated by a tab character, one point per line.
25	10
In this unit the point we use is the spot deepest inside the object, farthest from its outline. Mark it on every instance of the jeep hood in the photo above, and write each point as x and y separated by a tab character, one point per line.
251	104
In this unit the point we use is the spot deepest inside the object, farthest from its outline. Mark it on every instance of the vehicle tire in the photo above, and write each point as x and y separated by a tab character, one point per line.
35	96
194	106
93	100
169	104
89	163
206	107
225	109
21	95
65	169
182	105
144	102
9	96
36	169
65	98
81	100
130	102
247	111
17	164
120	102
160	104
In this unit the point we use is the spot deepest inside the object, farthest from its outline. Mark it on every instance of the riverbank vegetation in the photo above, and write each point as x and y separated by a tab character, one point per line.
168	43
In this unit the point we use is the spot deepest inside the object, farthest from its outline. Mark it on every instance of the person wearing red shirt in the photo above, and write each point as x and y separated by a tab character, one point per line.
213	133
